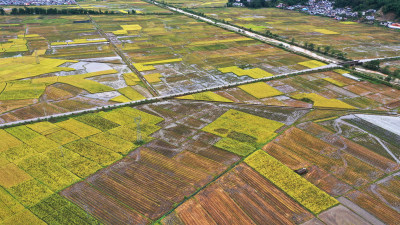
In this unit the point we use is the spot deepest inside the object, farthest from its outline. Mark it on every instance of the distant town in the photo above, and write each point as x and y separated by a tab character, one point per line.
326	8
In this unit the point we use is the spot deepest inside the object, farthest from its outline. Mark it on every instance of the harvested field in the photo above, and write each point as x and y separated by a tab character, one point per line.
240	196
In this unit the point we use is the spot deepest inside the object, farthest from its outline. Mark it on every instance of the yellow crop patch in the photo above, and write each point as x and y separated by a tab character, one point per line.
79	41
325	31
24	67
8	141
153	78
220	41
78	128
23	217
145	66
14	45
43	127
335	82
9	24
131	79
121	99
312	64
11	175
22	90
320	101
253	73
131	93
79	81
340	71
9	206
126	28
240	125
205	96
348	22
260	90
293	184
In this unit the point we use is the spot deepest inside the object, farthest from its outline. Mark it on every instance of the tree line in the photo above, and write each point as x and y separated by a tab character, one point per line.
53	11
376	65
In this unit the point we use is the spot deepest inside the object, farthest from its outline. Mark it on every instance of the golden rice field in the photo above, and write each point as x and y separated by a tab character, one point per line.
293	184
244	127
319	101
260	90
325	89
197	158
42	158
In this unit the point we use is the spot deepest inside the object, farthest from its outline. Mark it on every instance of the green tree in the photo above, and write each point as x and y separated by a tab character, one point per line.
373	65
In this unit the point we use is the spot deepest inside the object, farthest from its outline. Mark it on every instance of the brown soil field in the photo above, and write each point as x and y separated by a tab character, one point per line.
341	215
242	196
375	207
326	156
351	147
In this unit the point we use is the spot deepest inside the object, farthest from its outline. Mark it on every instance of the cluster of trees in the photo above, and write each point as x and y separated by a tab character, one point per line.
52	11
376	65
360	5
2	11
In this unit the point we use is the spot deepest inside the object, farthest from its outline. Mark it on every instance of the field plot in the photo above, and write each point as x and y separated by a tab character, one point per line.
318	90
242	196
350	164
357	40
43	158
176	53
121	6
59	71
293	184
196	4
183	157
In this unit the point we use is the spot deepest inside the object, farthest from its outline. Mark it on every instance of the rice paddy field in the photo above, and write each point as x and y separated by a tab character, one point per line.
176	53
122	7
317	90
196	4
192	153
227	156
52	65
357	40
